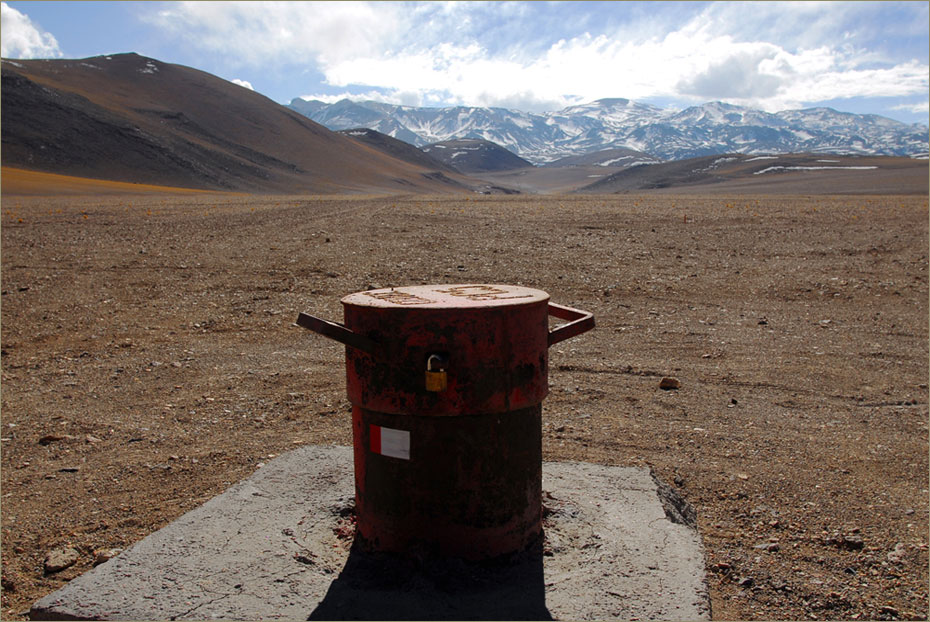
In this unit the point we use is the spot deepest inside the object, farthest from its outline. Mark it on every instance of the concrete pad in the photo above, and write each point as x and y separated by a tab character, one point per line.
618	544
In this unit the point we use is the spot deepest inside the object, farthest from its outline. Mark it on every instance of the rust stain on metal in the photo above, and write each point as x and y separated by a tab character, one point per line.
399	298
480	292
469	482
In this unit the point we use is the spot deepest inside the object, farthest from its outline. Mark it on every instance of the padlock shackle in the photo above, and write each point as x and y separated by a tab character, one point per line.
340	333
581	322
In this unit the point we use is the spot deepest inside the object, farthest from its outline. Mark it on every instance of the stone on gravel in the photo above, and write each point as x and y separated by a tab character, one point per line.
668	383
897	555
850	542
60	558
48	439
105	555
8	584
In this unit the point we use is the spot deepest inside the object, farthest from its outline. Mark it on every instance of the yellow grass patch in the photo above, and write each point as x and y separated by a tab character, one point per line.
17	181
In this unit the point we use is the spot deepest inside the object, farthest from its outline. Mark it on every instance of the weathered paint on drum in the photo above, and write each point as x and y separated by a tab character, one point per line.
451	467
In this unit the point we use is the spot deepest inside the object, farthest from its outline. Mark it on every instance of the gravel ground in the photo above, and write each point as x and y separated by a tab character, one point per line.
149	361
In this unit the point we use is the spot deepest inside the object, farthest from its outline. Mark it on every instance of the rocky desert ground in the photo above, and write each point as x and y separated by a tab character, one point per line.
149	361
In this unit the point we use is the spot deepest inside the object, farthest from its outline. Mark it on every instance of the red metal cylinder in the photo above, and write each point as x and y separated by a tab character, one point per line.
449	463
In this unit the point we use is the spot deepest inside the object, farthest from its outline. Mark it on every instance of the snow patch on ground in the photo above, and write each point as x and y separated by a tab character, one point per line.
716	163
609	162
812	168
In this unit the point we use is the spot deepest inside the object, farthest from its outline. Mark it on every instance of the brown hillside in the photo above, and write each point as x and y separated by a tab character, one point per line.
786	174
134	119
791	173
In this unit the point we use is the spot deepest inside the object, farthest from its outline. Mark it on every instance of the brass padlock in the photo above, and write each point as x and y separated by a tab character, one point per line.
436	379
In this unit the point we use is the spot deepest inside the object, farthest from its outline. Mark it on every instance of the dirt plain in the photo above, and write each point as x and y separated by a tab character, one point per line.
149	361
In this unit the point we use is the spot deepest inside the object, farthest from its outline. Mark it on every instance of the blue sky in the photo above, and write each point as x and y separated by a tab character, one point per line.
864	57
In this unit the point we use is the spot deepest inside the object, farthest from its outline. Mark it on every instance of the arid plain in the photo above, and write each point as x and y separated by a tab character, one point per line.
149	360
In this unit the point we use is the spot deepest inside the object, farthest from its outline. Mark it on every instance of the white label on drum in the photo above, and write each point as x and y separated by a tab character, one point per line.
390	442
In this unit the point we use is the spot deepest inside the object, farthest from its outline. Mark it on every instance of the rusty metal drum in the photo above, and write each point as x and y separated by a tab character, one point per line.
446	384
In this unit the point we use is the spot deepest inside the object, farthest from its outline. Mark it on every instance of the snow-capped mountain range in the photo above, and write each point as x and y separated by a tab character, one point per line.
708	129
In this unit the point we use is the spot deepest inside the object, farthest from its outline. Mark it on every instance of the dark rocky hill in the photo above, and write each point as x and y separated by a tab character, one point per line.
396	148
475	156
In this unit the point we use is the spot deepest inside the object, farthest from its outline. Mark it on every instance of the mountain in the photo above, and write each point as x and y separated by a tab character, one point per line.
125	117
511	129
709	129
475	156
396	148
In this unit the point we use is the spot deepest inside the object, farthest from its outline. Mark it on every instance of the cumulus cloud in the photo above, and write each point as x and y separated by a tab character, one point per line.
243	83
901	80
736	76
20	38
256	33
694	61
769	55
778	79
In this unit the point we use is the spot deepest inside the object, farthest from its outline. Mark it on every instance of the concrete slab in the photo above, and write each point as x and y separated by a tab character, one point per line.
618	544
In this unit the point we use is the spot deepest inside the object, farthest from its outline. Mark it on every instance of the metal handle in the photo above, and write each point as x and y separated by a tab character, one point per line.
581	322
340	333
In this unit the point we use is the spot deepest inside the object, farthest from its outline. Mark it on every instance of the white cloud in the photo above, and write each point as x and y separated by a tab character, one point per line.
692	62
255	33
243	83
777	79
20	38
917	108
768	55
737	75
901	80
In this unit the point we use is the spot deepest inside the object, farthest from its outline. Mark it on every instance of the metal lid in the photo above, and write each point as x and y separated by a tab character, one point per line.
446	296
